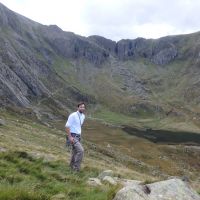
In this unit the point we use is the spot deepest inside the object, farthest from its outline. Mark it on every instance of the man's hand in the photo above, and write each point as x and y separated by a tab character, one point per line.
71	139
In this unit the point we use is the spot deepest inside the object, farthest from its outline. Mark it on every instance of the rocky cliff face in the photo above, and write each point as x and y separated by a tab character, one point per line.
38	61
73	46
27	53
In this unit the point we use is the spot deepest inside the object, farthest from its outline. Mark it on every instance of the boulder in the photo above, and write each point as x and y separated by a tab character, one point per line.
134	192
127	182
60	196
94	182
173	189
2	149
105	173
110	180
2	122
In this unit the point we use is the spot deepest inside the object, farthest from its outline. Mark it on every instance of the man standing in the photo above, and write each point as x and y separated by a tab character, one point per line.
73	130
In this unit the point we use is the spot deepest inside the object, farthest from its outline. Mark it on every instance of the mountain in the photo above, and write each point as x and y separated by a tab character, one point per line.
47	70
131	88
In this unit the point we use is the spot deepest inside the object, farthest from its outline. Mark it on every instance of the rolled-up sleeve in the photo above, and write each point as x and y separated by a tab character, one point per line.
69	121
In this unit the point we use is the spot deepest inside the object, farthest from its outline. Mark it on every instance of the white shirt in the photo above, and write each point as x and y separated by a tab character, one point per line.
75	121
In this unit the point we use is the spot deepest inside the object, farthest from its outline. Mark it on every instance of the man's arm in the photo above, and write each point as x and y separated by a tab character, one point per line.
71	139
67	128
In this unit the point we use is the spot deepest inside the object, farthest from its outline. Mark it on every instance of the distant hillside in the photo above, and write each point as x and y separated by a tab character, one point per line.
48	70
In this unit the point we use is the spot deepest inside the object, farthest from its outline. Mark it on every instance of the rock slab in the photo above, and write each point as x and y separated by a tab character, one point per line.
173	189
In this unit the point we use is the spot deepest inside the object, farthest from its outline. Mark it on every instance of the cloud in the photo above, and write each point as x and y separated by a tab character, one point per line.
142	18
114	19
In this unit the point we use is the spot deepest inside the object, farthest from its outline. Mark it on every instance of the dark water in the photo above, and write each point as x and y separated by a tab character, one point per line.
165	136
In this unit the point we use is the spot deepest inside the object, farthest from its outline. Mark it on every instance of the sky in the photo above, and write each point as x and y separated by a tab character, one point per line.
114	19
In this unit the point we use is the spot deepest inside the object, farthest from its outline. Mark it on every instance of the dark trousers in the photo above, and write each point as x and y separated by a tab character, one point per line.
77	153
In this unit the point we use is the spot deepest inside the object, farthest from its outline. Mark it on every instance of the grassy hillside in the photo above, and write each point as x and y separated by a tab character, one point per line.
34	159
26	177
34	164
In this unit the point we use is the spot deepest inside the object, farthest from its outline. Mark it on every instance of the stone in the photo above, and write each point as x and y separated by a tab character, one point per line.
60	196
173	189
2	122
110	180
128	182
94	182
105	173
2	149
134	192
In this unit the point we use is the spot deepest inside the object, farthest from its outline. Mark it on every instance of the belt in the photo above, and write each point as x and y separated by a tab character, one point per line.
75	135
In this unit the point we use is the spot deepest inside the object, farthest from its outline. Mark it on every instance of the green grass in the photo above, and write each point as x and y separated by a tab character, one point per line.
25	177
67	71
104	114
113	117
36	159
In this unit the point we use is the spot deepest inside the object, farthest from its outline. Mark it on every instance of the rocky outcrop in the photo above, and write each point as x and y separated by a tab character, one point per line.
105	43
27	54
73	46
132	49
105	173
94	182
18	80
105	177
163	190
109	180
2	122
171	189
131	82
159	52
165	56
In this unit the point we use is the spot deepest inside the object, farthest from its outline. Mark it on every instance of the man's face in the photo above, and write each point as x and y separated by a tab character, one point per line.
81	108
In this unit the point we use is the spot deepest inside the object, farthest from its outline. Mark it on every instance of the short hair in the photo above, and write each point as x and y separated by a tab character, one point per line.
81	103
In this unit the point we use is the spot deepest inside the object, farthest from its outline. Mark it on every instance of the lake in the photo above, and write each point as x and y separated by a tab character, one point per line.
165	136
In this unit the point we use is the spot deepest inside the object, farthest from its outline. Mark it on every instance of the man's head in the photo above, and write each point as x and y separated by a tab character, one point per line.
81	107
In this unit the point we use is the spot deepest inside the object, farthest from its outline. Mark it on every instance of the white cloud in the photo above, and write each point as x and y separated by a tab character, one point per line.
114	19
64	13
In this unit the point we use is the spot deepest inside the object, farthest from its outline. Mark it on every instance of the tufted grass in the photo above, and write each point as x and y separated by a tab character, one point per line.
24	177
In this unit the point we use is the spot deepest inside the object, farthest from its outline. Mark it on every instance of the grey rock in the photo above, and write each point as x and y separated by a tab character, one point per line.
27	55
2	149
165	56
131	82
173	189
74	46
60	196
128	182
160	52
105	173
110	180
132	49
2	122
94	182
134	192
105	43
12	87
